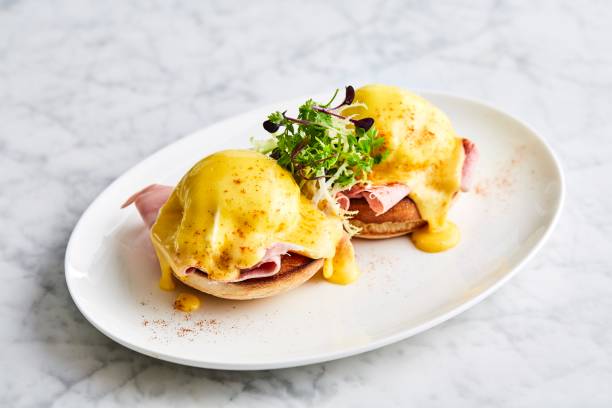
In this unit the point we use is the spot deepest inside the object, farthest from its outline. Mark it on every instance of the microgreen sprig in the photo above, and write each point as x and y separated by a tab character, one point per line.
325	151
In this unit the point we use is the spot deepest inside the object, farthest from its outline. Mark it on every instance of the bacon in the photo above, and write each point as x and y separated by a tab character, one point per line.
149	201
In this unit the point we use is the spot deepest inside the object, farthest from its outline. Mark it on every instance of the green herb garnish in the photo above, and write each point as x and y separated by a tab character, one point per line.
325	151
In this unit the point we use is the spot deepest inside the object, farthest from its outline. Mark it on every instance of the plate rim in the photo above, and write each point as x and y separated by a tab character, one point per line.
351	351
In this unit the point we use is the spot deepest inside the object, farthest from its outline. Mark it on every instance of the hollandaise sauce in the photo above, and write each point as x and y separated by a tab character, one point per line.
439	239
342	268
166	281
230	208
187	302
425	153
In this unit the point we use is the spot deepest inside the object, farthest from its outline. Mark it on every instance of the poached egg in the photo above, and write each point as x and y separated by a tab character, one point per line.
234	205
424	153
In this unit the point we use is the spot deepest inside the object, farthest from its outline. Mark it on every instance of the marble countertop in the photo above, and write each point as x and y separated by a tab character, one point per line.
87	89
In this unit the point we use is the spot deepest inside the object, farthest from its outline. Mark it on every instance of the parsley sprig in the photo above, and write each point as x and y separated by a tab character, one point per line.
325	151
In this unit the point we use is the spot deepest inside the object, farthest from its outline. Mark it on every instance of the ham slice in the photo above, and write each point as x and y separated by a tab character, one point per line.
149	200
382	198
270	264
343	201
469	164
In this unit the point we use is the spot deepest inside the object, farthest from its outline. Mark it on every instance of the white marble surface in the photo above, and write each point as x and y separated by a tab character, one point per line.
88	88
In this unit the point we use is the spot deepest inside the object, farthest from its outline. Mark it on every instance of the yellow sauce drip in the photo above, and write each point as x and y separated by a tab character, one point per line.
166	282
342	268
436	240
186	302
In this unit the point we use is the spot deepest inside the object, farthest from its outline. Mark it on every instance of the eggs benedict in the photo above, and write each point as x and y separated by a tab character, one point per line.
427	164
236	226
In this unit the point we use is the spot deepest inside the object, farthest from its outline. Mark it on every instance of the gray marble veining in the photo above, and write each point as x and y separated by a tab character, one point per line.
87	89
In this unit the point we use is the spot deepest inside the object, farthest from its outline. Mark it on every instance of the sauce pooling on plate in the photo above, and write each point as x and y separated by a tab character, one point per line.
436	240
186	302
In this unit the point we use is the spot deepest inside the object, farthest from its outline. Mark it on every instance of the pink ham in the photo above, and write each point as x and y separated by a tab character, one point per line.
149	200
270	264
469	164
343	201
382	198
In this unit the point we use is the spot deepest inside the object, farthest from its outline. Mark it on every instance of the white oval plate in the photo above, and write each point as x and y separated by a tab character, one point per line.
112	273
